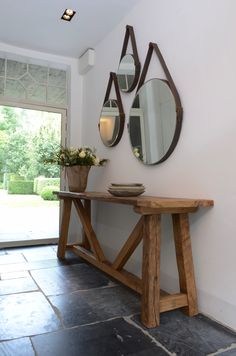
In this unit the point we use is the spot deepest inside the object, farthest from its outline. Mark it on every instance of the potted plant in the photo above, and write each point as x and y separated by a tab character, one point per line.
77	162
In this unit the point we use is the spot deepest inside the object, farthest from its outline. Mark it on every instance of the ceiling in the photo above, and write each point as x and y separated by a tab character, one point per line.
37	24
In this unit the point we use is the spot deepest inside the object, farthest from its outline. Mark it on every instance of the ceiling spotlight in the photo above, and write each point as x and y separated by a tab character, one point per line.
66	17
68	14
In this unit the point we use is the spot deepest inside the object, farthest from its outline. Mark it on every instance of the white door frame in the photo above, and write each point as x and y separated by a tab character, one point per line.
64	140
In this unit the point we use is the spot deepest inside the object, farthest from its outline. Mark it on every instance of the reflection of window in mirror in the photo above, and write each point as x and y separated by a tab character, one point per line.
160	106
109	123
126	72
122	81
112	117
137	133
152	121
125	81
129	66
136	103
110	104
109	126
157	102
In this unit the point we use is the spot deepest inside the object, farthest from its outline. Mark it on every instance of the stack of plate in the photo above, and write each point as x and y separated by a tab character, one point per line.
126	190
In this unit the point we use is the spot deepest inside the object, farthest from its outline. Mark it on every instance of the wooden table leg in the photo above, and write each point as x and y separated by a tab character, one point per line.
86	223
64	228
85	241
150	308
185	261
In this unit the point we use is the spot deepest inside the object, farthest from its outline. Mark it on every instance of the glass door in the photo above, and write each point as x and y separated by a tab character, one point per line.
28	209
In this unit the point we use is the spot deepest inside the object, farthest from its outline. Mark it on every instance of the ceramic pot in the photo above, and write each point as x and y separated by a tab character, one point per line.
77	178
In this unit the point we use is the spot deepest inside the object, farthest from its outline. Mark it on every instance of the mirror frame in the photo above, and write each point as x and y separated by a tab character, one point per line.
130	34
113	80
169	81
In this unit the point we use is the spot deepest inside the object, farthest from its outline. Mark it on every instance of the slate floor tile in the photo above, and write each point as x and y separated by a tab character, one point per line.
17	286
6	259
13	267
35	265
17	250
43	264
27	266
18	347
112	338
195	336
71	258
74	309
67	279
26	314
14	275
150	352
113	301
32	254
231	352
83	307
34	250
42	255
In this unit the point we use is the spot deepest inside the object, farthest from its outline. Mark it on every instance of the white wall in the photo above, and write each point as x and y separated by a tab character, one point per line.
197	40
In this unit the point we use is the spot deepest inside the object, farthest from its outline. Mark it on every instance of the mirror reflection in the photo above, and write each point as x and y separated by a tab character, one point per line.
152	122
126	73
109	123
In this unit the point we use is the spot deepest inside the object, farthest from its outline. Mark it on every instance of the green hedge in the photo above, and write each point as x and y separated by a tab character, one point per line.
47	193
42	182
10	177
21	187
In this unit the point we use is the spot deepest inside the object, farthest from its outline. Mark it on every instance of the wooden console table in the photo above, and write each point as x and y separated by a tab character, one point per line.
148	228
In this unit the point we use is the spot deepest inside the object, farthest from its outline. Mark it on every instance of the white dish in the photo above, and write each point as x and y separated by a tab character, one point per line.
126	188
127	184
126	193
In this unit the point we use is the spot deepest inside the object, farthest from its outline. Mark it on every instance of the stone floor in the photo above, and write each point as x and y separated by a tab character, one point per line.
53	308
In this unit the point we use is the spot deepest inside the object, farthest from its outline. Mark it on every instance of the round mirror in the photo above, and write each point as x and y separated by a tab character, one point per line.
154	122
127	73
111	123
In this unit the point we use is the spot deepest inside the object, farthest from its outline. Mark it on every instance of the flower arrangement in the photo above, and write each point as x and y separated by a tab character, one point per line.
138	152
82	156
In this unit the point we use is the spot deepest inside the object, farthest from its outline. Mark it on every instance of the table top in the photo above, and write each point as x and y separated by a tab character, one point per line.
139	201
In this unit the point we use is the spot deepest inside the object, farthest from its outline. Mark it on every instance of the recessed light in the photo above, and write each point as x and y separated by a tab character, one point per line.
68	14
66	17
